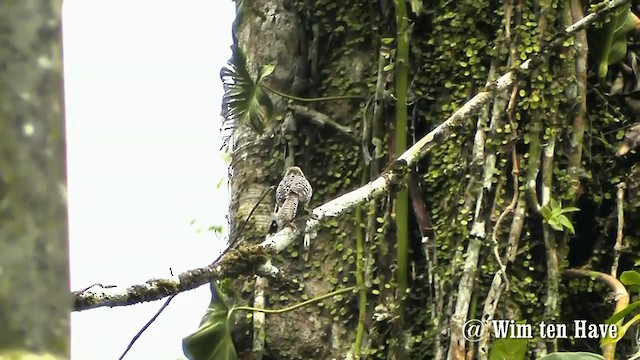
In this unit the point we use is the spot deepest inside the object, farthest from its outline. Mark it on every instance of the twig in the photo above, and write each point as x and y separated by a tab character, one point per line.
617	248
516	194
326	98
135	338
372	127
299	305
496	289
322	120
78	292
360	282
371	130
552	297
366	132
259	319
424	223
246	221
244	225
579	121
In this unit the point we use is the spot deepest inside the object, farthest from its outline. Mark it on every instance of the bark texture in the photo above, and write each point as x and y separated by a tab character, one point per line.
34	288
281	33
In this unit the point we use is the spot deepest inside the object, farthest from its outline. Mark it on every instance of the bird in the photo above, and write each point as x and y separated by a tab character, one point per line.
631	140
293	192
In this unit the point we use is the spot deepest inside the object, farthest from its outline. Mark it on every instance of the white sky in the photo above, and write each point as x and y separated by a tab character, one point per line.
142	109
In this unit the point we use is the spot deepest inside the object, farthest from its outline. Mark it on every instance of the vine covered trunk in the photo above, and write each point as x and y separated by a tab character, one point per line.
485	225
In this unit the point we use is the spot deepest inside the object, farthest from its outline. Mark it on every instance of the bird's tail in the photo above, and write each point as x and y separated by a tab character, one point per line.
287	212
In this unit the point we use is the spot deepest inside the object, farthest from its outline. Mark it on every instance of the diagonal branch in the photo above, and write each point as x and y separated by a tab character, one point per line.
322	120
251	259
241	260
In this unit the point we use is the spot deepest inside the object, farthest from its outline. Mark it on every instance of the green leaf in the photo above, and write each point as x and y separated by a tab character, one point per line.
622	313
212	340
508	349
572	356
564	221
220	183
555	212
416	6
244	100
546	212
553	222
570	209
218	229
622	330
265	71
630	277
609	43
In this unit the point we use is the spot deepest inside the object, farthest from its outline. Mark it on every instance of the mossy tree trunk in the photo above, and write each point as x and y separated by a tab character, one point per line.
478	202
34	288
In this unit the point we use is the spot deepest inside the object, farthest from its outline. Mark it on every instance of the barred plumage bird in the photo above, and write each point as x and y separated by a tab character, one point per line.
293	192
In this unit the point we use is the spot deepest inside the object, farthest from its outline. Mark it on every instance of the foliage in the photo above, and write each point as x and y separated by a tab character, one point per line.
608	44
245	101
508	349
553	214
212	340
631	279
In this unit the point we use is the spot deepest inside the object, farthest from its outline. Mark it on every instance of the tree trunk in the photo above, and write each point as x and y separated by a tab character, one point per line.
34	287
273	32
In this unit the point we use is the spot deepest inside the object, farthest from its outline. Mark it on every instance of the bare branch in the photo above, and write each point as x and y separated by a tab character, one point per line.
322	120
617	248
242	260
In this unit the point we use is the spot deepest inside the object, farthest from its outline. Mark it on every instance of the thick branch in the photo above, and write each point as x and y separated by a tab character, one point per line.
242	260
233	264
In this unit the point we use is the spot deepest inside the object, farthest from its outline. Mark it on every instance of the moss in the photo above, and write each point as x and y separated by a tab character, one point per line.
244	259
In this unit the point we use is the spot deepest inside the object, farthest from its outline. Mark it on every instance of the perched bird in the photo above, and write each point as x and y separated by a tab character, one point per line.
293	192
631	140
